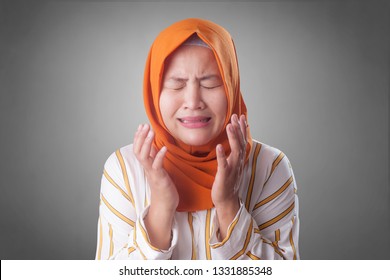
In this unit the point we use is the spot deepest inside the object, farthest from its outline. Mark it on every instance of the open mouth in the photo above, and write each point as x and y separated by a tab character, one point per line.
194	120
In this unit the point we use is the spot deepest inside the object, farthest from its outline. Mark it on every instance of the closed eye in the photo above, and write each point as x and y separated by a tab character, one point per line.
211	81
175	87
210	86
175	84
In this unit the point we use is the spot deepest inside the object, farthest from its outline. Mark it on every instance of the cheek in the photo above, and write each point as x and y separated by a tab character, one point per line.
163	107
167	107
220	105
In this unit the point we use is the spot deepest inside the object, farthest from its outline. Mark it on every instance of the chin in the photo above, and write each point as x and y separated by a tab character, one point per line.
196	141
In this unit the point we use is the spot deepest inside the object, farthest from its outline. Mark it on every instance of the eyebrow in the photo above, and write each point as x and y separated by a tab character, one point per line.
177	79
210	77
207	77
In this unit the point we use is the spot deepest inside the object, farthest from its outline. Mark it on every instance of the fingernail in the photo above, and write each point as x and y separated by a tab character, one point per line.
150	133
145	126
139	127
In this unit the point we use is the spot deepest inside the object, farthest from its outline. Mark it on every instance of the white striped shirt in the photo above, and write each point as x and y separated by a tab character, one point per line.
265	227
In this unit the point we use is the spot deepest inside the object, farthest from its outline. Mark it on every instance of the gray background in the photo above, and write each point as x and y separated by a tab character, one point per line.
314	74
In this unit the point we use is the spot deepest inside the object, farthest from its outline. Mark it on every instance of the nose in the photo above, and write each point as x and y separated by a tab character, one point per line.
193	97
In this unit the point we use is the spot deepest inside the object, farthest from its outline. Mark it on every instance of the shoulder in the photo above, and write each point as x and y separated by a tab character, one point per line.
269	158
122	158
268	153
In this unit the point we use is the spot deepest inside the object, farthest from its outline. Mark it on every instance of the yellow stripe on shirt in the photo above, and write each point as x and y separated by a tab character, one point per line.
246	243
125	177
145	235
190	223
116	185
137	246
275	244
252	256
252	179
111	242
277	235
292	240
117	213
277	218
99	256
274	165
130	250
277	161
275	194
229	233
207	235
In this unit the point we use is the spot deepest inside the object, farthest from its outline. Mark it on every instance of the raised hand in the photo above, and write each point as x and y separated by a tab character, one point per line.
164	196
227	180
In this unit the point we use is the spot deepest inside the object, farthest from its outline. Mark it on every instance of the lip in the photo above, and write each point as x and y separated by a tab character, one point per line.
194	122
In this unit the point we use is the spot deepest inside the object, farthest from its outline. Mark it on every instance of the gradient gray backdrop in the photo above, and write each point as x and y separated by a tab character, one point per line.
314	74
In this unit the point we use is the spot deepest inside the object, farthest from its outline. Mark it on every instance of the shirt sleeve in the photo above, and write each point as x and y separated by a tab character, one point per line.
121	230
270	228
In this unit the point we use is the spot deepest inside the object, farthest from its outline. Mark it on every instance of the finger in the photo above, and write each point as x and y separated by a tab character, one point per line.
147	146
137	143
235	146
153	152
138	130
158	160
238	129
139	148
244	127
221	160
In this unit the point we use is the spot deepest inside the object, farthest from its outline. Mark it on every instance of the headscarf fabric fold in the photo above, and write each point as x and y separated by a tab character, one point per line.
192	168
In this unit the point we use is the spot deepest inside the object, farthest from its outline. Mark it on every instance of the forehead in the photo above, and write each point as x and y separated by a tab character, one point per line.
190	56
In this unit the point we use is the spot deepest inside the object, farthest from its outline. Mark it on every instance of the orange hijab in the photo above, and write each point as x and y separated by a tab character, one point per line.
192	168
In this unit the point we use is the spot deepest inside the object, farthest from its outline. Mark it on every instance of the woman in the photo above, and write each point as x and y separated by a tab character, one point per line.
194	184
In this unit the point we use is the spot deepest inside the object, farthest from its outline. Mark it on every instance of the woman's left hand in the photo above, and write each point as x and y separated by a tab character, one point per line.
224	192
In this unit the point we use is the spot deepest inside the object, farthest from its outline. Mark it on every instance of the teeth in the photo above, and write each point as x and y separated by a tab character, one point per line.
187	121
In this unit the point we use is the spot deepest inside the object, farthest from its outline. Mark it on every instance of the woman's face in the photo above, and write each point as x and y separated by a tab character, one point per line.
193	102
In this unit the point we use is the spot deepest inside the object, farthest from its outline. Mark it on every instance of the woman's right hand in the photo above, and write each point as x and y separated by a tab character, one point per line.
164	197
